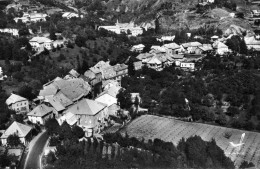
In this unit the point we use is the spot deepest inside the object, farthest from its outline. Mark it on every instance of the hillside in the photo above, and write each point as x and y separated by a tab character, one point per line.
175	14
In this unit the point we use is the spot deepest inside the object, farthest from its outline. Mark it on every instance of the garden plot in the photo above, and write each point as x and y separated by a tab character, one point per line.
151	127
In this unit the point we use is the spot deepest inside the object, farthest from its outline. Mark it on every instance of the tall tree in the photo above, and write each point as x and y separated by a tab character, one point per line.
13	140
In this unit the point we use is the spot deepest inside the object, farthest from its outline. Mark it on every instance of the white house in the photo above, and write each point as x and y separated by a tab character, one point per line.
69	117
12	31
32	17
40	114
252	43
124	27
92	115
137	48
220	48
21	130
39	43
108	97
171	48
18	103
188	66
69	15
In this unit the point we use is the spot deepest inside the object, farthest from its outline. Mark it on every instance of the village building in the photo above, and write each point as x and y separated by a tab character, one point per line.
138	65
39	43
69	117
121	71
109	98
32	17
109	83
92	115
61	93
157	49
69	15
189	47
220	48
21	130
171	48
18	103
124	28
40	114
214	38
165	38
73	74
252	43
137	48
204	49
11	31
187	66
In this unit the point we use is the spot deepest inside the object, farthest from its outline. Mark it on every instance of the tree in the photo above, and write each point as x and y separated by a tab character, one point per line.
26	91
78	131
52	126
53	35
4	160
232	111
23	32
124	99
80	41
131	68
13	140
222	119
18	76
84	67
51	158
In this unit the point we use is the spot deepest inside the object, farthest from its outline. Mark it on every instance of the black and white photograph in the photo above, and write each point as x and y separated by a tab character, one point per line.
129	84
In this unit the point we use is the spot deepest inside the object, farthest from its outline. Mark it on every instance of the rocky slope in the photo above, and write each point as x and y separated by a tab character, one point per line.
180	14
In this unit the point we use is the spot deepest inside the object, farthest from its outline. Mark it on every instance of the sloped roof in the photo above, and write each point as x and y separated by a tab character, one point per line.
86	107
119	67
74	73
112	91
142	56
106	82
89	74
40	111
158	48
17	128
177	56
69	117
138	46
171	46
40	40
73	89
48	90
251	41
191	44
154	60
55	104
14	98
219	45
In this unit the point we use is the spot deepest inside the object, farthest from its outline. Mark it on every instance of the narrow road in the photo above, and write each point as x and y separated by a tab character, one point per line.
32	161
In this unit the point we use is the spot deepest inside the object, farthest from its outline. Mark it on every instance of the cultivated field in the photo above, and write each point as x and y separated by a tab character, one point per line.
151	127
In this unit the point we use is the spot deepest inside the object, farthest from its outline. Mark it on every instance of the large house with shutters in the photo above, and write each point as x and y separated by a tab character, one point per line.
18	103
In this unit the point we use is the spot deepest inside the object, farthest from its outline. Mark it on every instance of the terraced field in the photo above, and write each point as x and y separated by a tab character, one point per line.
151	127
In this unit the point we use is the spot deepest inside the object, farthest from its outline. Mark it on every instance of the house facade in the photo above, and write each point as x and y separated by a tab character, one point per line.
187	66
40	114
91	115
21	130
39	43
18	103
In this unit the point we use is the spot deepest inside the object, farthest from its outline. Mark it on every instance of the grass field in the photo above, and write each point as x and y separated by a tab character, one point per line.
151	127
